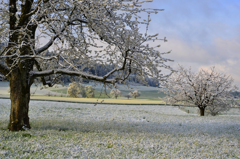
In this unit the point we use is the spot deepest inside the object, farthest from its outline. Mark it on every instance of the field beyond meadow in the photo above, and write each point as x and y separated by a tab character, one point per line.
150	94
75	130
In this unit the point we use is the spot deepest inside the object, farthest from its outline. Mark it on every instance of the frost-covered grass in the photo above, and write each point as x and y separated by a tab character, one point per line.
71	130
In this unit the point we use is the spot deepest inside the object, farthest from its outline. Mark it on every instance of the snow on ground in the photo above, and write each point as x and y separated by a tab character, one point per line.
74	130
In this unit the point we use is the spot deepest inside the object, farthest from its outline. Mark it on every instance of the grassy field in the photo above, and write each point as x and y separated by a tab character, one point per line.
97	100
149	95
73	130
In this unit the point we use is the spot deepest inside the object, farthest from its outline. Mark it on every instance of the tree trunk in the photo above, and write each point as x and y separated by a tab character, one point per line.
19	78
202	111
20	97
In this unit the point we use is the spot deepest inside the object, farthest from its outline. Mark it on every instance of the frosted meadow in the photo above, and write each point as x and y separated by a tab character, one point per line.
73	130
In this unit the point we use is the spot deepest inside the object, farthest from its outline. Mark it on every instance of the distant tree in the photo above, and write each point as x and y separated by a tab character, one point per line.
77	90
135	94
73	89
89	91
115	93
205	89
81	33
82	90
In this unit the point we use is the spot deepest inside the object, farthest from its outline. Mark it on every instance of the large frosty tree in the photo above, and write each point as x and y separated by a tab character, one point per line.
80	33
205	89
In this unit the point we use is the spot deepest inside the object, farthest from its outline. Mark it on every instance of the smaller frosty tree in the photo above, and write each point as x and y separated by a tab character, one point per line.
115	93
73	89
76	90
135	94
205	89
89	91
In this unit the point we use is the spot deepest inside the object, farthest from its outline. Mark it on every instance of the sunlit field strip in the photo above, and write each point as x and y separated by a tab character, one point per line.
95	100
75	130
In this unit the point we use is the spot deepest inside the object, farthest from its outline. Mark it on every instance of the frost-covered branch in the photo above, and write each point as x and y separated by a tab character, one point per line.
49	43
84	75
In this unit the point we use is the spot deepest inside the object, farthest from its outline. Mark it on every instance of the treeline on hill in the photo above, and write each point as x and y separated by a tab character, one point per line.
101	70
236	94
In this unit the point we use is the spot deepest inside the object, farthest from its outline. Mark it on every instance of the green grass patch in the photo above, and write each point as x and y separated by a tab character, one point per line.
97	100
63	90
145	94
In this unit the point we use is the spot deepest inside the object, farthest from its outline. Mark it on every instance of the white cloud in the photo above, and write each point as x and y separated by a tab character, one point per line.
224	54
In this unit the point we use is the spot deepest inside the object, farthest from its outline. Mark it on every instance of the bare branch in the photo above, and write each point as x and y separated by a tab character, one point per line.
46	46
35	74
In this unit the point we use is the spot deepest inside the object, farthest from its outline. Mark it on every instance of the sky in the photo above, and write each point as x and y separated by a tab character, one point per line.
200	33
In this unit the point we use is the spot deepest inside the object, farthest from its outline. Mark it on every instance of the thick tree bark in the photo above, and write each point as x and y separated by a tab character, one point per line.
20	97
19	78
201	111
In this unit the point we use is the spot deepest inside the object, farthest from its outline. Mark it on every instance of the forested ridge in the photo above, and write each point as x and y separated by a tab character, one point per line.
101	70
